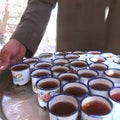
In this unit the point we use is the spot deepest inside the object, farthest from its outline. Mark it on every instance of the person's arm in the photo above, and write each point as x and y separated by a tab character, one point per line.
33	24
29	32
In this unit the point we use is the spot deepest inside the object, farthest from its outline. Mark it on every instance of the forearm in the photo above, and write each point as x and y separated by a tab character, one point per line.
33	24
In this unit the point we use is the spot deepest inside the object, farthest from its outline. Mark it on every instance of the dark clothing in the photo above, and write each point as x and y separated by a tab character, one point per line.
81	25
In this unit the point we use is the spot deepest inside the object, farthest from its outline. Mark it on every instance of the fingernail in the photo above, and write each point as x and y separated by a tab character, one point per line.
1	67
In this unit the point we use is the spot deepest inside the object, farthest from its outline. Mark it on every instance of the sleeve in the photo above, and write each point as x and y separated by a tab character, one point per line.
33	23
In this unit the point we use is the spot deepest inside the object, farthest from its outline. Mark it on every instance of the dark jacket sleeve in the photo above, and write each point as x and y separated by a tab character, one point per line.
33	23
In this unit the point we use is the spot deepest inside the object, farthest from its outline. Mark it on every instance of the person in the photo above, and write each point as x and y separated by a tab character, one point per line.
81	25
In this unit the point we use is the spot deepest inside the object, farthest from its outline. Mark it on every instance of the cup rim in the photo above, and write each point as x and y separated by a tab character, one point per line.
115	87
63	94
111	104
89	65
75	82
110	69
17	64
45	78
41	69
88	70
68	72
102	78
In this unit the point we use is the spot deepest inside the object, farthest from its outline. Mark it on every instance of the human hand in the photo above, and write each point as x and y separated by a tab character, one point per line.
12	52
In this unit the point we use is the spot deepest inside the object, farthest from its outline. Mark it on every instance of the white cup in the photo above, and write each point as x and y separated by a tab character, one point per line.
31	61
72	56
20	73
61	61
43	64
46	57
87	74
47	87
100	67
57	69
63	107
96	108
114	75
37	74
76	89
100	86
114	96
78	64
68	77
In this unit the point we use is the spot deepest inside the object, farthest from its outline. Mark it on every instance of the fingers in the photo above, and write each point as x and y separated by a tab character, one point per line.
4	61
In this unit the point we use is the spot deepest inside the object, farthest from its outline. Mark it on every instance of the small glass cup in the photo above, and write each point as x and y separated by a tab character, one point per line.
63	107
100	86
21	73
47	87
96	108
114	96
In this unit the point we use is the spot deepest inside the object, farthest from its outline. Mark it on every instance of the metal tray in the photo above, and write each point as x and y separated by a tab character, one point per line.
18	102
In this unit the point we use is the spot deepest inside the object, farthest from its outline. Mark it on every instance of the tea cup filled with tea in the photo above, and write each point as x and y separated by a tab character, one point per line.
114	75
96	108
43	64
100	67
100	86
76	89
21	73
99	59
68	77
63	107
57	69
31	61
72	56
46	57
114	96
61	61
78	64
37	74
47	87
86	74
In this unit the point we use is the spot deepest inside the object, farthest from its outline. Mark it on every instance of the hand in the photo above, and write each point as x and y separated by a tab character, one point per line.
12	52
